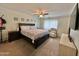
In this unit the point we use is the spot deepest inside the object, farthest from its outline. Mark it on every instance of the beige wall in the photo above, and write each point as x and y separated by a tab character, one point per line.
73	17
63	25
9	17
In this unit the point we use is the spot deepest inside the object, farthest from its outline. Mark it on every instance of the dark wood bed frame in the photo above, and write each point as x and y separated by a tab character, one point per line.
37	42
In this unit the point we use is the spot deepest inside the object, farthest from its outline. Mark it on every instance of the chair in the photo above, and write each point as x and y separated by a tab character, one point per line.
53	32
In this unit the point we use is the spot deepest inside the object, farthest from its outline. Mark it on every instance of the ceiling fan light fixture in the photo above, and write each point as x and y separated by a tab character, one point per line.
41	12
40	16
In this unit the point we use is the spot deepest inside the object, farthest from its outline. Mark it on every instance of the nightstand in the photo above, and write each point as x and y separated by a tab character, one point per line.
13	35
1	28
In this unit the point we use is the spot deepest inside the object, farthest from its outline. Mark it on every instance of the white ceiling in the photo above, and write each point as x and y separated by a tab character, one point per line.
28	8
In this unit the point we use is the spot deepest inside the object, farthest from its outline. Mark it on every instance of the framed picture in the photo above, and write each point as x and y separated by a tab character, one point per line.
31	20
15	18
27	20
22	19
34	20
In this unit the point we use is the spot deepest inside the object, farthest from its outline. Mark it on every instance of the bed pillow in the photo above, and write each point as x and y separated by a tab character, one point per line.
32	27
25	27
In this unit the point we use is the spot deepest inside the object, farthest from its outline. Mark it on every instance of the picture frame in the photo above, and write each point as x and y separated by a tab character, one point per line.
22	19
27	20
31	20
15	18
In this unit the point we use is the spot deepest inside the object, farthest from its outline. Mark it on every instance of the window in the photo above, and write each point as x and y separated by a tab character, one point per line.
50	24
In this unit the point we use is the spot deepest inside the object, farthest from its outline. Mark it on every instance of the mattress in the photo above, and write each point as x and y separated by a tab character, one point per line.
34	33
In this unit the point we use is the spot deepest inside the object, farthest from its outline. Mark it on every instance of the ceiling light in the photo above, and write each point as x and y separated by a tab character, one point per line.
41	16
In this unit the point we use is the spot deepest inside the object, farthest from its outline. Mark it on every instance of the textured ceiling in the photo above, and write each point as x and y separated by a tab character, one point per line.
28	8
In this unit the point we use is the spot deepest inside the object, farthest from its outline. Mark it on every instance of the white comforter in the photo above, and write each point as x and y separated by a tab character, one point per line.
34	33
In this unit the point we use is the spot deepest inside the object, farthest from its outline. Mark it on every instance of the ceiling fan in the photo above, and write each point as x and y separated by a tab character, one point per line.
40	12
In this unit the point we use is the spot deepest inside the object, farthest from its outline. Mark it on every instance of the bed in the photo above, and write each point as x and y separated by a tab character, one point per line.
35	36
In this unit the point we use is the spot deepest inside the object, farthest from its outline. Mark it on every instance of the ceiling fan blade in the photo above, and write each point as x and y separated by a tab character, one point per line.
45	13
40	12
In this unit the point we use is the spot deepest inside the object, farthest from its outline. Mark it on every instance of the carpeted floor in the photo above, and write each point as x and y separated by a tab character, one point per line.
23	48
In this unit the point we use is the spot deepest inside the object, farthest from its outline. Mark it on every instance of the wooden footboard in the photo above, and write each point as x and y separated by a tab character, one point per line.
37	42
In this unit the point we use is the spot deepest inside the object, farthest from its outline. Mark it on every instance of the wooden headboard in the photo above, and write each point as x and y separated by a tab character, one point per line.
25	24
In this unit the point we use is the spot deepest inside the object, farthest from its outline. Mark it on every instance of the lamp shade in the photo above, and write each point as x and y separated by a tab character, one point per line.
0	23
2	20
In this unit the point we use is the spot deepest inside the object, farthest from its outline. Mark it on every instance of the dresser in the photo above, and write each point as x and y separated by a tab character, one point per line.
13	35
